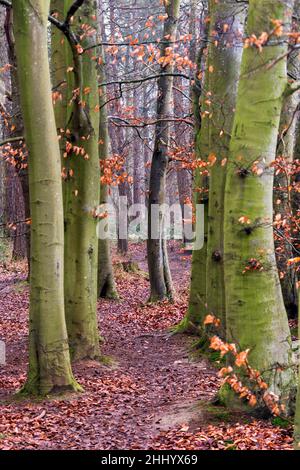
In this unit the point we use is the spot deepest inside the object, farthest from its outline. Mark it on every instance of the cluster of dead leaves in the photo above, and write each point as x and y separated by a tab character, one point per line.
256	435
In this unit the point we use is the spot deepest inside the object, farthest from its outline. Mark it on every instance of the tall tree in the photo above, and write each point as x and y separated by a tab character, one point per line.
217	107
183	138
138	159
283	194
224	56
217	111
49	359
118	135
146	148
255	313
20	185
106	282
59	46
197	300
159	271
297	413
82	183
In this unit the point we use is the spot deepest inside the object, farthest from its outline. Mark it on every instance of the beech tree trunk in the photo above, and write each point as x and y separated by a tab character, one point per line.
255	312
49	359
82	190
147	154
282	184
183	138
297	413
193	320
15	213
106	282
59	47
138	162
225	53
21	248
158	264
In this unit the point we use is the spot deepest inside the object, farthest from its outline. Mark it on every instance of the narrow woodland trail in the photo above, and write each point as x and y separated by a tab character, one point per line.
155	395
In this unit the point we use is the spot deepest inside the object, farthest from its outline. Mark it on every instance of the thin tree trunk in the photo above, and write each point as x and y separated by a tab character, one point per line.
146	149
59	47
183	139
49	359
138	166
282	185
106	282
15	212
21	247
159	271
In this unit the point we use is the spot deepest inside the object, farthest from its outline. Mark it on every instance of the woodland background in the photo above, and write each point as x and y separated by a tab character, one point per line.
149	345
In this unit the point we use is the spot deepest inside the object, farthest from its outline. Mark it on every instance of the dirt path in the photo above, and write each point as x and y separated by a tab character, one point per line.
153	386
171	383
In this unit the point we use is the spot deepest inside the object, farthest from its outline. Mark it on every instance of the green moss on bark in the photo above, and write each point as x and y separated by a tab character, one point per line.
49	359
224	56
255	313
81	193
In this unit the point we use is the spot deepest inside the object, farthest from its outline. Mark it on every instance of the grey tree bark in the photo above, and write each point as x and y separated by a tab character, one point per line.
158	264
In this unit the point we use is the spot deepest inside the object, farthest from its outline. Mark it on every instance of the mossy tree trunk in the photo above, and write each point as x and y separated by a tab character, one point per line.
296	192
224	60
49	358
158	264
212	144
196	312
286	150
255	312
297	413
82	188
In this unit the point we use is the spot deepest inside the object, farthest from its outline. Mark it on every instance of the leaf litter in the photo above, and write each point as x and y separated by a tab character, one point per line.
138	402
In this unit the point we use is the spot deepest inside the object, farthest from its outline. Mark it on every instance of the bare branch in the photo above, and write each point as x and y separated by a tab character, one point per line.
72	10
144	79
292	88
63	27
5	3
11	139
142	125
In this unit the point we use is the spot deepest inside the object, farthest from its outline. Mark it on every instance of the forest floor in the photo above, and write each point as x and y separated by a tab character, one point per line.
156	395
